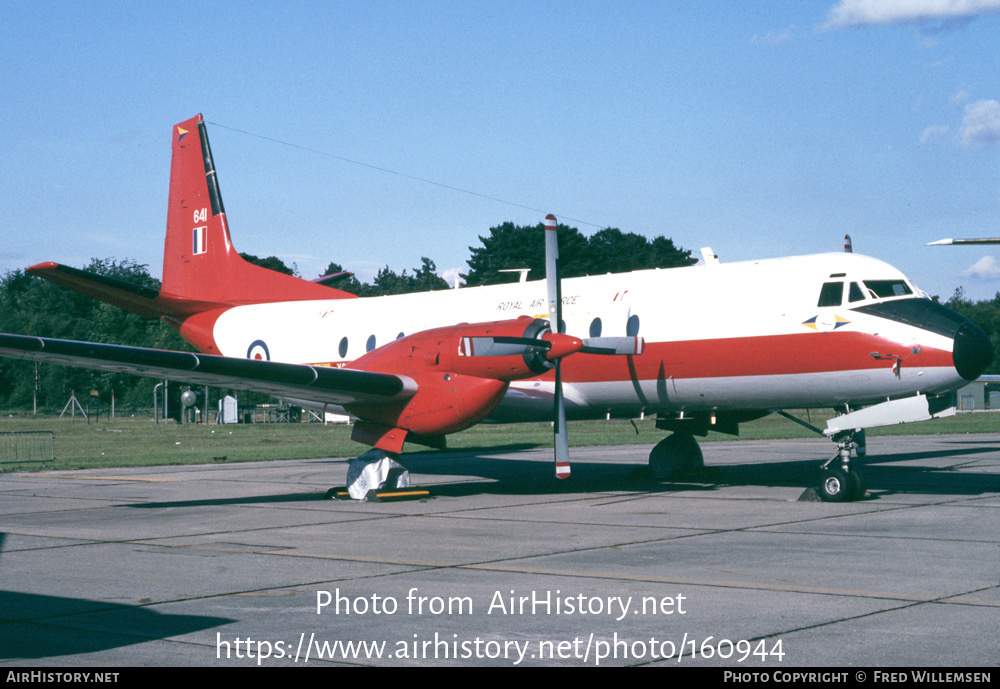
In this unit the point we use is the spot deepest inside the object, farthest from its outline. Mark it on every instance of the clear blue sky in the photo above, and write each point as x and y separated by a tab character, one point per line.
757	128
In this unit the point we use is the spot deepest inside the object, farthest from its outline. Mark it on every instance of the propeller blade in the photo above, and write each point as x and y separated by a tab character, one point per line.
552	283
613	345
561	437
555	346
501	346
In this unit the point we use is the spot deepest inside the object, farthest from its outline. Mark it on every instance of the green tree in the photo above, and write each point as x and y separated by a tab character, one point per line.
32	306
425	278
388	281
665	254
613	251
271	263
512	247
985	314
610	250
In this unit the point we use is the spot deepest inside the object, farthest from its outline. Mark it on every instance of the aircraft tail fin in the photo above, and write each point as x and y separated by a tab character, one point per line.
199	260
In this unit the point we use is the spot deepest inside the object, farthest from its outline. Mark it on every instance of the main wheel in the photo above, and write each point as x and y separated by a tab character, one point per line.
835	485
674	455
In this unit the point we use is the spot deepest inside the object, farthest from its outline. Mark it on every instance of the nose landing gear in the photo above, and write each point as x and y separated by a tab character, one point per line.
839	481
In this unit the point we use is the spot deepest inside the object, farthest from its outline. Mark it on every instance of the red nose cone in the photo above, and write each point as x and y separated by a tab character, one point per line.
562	345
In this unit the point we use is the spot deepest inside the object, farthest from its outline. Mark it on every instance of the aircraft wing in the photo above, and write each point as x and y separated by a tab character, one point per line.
319	383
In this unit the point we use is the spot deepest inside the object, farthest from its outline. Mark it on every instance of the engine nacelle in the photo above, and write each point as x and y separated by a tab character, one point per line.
457	385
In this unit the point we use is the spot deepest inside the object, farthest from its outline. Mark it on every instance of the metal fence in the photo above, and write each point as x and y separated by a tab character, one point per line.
27	447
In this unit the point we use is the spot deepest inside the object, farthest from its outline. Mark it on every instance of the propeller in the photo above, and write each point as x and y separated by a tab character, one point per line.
555	346
552	344
591	345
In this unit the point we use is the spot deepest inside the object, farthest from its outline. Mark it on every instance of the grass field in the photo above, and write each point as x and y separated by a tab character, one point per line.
137	441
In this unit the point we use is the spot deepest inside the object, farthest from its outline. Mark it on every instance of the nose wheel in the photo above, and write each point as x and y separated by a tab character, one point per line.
839	481
839	485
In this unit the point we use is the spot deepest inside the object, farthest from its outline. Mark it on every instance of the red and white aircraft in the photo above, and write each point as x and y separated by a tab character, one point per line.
704	347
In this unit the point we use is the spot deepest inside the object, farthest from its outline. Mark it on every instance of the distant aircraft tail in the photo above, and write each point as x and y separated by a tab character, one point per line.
199	260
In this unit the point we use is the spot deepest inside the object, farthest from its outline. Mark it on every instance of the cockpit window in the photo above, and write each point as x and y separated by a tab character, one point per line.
856	294
832	294
887	288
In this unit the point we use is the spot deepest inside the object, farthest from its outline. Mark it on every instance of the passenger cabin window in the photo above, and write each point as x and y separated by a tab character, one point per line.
887	288
632	326
832	294
856	294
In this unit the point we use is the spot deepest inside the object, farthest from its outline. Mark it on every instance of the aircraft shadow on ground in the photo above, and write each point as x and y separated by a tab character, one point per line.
511	476
489	475
245	500
34	626
956	478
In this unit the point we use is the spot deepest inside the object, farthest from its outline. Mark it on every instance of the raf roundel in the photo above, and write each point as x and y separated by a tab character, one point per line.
258	350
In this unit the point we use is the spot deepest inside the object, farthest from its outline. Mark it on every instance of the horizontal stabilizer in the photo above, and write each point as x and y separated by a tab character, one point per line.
332	278
318	383
138	299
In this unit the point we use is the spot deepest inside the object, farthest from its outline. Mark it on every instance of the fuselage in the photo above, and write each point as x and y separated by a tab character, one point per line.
807	331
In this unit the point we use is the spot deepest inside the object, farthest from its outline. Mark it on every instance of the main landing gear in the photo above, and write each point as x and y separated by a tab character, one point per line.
839	481
675	455
678	454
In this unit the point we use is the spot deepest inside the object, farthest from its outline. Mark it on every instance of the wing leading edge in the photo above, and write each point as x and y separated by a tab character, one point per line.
317	383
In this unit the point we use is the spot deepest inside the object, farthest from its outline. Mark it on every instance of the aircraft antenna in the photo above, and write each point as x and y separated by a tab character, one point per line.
400	174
